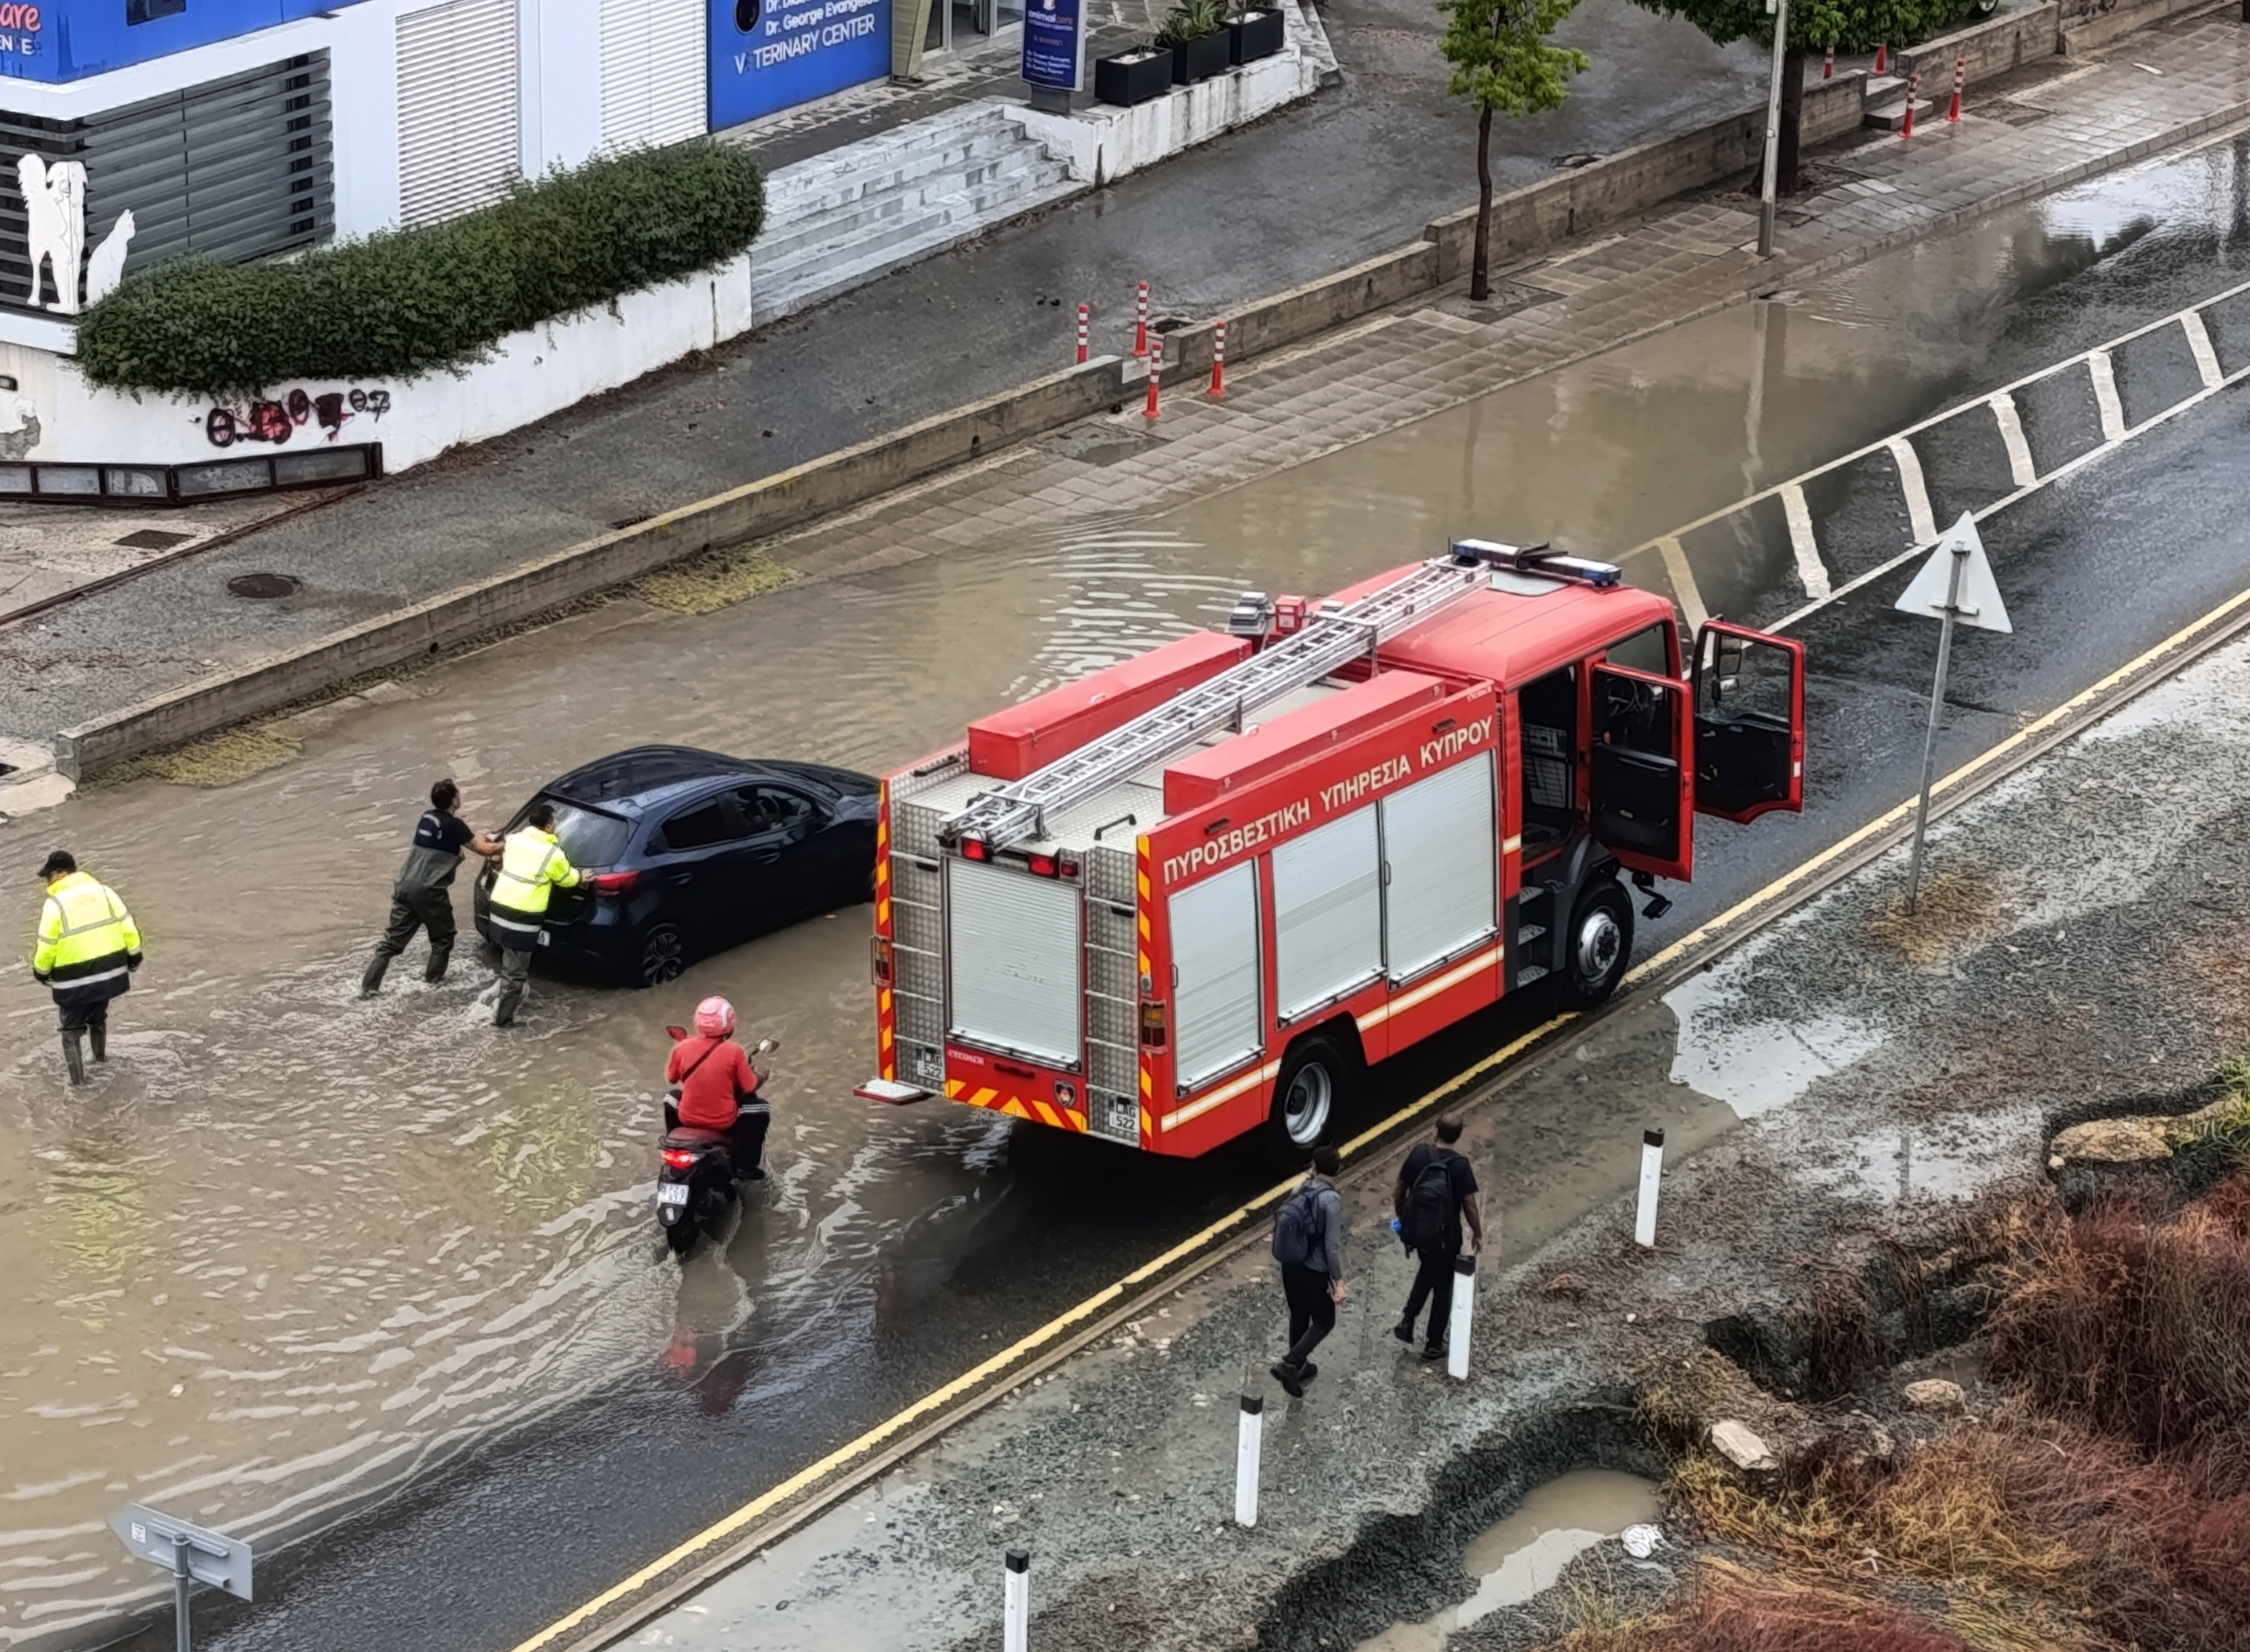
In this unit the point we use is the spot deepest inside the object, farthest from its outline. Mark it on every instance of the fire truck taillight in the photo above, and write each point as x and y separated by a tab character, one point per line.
882	961
1052	865
976	849
1153	1024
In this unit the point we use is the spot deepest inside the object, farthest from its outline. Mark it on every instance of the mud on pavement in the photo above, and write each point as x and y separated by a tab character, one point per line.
1862	1084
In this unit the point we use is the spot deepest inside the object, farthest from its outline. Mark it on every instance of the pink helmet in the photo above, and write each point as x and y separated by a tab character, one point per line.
715	1018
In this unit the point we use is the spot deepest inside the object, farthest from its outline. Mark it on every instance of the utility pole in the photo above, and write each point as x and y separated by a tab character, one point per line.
1778	10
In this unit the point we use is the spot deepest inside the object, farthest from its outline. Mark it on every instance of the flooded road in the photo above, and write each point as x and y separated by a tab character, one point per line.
294	1255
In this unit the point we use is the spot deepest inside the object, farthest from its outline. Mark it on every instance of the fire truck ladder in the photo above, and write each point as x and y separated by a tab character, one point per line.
1335	634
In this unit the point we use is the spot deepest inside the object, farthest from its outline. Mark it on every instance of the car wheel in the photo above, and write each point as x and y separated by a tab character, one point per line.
663	956
1600	943
1312	1083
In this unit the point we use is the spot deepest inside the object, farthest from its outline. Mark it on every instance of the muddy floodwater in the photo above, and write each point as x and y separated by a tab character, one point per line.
290	1251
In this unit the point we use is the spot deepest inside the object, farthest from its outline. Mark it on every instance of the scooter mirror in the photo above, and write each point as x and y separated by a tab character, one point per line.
678	1033
766	1046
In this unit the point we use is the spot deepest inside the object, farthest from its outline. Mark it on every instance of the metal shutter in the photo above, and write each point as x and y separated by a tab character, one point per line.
458	91
1327	912
1013	949
1215	998
1438	859
655	71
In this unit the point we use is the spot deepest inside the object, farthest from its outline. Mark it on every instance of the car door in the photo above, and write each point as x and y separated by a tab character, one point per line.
699	853
1749	722
788	852
1641	796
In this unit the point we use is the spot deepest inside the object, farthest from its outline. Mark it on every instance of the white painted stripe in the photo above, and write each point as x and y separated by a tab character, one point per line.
1918	520
2021	471
1804	543
1684	590
2198	344
1429	989
1226	1092
2098	368
1514	845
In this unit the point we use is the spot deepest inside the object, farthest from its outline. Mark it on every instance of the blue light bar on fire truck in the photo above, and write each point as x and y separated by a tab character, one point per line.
1538	558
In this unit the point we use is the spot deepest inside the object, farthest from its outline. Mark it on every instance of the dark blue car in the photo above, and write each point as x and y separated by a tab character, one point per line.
689	852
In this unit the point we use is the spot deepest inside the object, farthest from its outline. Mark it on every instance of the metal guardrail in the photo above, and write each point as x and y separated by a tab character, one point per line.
49	482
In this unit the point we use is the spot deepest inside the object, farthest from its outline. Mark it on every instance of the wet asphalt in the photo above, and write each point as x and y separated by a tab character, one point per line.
1007	1228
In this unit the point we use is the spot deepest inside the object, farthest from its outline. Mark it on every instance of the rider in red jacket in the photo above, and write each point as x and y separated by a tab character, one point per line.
715	1087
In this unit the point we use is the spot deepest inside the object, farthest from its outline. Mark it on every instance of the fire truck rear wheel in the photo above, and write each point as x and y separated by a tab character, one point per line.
1305	1099
1600	943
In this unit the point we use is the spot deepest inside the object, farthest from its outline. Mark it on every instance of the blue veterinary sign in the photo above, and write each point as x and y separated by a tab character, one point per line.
69	39
1052	29
773	54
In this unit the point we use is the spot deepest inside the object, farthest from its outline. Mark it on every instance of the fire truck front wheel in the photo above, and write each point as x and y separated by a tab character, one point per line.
1312	1082
1600	943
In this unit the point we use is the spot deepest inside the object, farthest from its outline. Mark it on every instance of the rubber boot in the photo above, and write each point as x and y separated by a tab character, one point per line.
372	982
73	1059
439	957
97	1037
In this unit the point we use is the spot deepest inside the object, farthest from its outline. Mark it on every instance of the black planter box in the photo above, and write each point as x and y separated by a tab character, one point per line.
1258	35
1133	77
1200	60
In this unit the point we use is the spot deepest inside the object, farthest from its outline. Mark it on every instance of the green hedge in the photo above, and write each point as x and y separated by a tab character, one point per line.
404	304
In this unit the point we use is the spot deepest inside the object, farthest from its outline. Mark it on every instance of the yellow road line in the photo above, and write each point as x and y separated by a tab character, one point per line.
969	1381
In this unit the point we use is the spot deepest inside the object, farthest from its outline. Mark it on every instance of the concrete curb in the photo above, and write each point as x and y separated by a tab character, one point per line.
1525	219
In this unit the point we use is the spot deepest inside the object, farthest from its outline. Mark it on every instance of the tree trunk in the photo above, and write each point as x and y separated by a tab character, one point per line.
1480	284
1792	119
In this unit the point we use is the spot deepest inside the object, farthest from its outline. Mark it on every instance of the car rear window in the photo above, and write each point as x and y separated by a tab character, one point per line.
588	837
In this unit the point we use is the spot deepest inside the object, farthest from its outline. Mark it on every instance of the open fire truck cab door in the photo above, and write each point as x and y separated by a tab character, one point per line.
1641	792
1749	722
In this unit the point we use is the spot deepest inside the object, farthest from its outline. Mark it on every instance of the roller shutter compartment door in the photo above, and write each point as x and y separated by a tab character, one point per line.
460	87
655	71
1215	985
1327	912
1439	855
1014	947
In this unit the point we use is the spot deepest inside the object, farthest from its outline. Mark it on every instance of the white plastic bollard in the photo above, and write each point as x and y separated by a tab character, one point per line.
1016	1618
1457	1329
1245	1459
1652	1172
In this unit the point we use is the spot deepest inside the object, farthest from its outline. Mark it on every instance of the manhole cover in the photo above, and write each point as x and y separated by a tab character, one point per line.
152	538
262	585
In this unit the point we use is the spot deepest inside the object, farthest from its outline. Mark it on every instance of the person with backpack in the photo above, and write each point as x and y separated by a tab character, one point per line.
1437	1189
1308	1243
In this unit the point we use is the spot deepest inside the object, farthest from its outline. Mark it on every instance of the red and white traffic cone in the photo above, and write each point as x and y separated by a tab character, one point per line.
1141	322
1828	63
1882	60
1960	72
1218	359
1156	372
1084	312
1913	85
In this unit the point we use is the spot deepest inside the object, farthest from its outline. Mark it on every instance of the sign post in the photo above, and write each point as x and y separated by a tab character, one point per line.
1054	52
1955	583
1778	10
189	1553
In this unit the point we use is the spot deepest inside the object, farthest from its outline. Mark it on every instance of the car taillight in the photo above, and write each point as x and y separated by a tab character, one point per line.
678	1159
1154	1023
614	883
882	961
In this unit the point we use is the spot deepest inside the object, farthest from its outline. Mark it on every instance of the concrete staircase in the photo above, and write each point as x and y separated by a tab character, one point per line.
842	219
1885	98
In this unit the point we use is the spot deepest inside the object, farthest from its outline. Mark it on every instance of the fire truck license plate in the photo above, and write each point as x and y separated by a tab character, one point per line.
929	1067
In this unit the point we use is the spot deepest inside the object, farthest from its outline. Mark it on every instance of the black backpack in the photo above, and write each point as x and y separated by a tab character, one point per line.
1429	1209
1297	1226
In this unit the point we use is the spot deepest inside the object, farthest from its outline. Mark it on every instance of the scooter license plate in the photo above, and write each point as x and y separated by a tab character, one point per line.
671	1193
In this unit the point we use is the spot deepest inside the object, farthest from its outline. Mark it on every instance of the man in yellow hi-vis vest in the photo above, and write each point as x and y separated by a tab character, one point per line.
88	949
531	865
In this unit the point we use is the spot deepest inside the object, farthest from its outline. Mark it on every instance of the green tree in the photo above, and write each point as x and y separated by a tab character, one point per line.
1502	62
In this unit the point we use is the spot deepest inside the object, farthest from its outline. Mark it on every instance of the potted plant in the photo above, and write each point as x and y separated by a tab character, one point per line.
1255	31
1133	77
1195	31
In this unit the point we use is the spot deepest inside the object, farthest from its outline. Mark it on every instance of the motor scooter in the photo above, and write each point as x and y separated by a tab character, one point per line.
695	1186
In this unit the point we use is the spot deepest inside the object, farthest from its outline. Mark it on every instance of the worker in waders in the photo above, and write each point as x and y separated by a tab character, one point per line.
531	865
422	897
87	952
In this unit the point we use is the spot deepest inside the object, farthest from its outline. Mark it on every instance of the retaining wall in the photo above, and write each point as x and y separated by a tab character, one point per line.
2088	23
1993	46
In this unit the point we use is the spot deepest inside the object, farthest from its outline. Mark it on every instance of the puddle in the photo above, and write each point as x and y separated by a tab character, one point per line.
1758	1065
1525	1553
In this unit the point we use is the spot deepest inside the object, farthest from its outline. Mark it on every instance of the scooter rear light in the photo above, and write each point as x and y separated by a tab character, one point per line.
614	883
678	1159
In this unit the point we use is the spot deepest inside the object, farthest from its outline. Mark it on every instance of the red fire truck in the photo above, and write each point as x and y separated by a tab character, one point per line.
1201	891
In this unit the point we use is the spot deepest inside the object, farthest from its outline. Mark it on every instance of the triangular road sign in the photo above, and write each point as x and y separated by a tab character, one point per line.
1979	603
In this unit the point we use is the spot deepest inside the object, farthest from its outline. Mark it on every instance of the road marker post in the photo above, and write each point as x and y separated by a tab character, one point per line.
1652	1177
1085	315
1246	1445
1016	1605
1218	359
1141	320
1960	72
1828	63
1882	60
1912	87
1456	1328
1156	372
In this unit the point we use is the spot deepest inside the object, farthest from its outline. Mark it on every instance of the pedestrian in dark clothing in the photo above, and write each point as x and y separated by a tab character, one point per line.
1437	1191
422	897
1308	1243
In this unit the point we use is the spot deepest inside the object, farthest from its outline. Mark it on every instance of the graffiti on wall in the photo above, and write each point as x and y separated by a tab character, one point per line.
54	219
276	422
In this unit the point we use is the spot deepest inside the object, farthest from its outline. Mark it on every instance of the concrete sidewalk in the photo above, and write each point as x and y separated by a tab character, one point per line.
1840	1083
